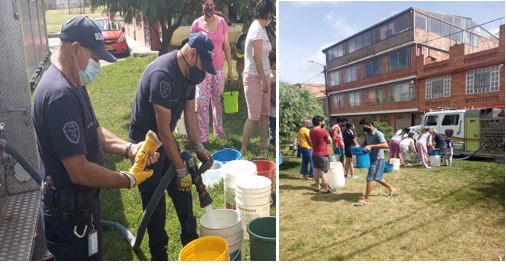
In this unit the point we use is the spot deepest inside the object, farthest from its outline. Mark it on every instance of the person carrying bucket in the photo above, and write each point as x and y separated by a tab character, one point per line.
337	138
305	149
349	140
320	139
374	141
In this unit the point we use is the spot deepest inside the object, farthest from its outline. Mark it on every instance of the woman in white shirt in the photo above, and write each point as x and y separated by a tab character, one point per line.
425	140
404	147
394	143
256	78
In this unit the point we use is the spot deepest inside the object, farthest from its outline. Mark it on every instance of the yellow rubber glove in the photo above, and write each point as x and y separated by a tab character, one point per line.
151	145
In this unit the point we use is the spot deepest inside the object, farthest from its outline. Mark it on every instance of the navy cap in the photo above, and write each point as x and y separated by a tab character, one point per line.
205	48
84	31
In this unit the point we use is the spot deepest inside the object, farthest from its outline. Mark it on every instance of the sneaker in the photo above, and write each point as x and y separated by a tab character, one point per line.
329	191
428	167
408	164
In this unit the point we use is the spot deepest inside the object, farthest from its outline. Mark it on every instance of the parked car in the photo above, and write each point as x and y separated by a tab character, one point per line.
114	35
236	36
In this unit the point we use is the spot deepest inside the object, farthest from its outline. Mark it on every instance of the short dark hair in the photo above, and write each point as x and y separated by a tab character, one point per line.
317	119
366	121
341	119
272	58
349	125
263	8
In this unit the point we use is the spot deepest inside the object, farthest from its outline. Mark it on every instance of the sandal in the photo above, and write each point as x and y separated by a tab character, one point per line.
360	203
318	190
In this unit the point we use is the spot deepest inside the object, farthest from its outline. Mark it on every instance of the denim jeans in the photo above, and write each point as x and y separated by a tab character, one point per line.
306	159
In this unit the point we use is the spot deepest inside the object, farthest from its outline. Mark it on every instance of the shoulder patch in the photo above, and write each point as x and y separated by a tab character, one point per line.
71	130
165	89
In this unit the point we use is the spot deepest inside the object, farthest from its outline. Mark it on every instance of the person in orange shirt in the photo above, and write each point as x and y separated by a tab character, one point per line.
305	148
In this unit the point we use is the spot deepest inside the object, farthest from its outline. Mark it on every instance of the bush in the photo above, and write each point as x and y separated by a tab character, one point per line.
387	130
295	104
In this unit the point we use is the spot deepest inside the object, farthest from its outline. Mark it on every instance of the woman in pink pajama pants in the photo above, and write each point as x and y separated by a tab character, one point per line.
211	88
423	141
395	141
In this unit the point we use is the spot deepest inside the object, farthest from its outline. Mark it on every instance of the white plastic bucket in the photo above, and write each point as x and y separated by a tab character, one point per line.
396	162
213	175
253	190
227	224
250	212
232	171
334	158
435	160
336	175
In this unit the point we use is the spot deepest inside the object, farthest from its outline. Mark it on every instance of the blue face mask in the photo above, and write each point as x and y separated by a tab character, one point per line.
91	72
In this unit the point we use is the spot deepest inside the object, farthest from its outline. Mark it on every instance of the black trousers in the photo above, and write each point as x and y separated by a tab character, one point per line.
63	243
183	204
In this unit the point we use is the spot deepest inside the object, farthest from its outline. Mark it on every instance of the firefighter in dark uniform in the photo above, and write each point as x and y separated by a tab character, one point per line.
165	91
71	145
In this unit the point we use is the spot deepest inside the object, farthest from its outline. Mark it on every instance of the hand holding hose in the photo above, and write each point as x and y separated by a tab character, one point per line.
204	156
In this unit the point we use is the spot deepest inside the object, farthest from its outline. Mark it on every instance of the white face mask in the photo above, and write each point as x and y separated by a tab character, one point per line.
91	72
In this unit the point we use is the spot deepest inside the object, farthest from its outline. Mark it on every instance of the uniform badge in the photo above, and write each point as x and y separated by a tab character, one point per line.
165	89
71	130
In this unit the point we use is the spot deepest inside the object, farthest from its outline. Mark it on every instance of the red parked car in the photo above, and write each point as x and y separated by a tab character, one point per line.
114	35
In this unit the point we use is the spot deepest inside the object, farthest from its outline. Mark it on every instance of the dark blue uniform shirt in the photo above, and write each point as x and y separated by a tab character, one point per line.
164	84
65	125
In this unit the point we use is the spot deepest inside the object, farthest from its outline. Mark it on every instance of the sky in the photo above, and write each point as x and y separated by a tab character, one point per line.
307	27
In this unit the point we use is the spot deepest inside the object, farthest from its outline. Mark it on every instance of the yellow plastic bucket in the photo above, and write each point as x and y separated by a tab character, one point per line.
231	102
207	248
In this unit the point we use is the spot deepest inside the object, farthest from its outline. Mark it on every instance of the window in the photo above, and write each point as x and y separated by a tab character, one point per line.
445	30
351	73
399	60
450	120
375	96
421	21
401	92
351	46
482	80
354	98
438	87
372	68
431	120
334	78
435	26
337	101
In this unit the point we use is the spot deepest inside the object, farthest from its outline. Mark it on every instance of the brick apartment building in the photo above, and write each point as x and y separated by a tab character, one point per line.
381	72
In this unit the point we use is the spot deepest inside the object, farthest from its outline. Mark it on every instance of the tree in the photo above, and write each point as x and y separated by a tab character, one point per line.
295	104
170	13
387	130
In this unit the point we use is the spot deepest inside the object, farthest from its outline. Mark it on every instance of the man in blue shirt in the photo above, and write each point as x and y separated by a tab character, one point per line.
71	145
375	142
165	91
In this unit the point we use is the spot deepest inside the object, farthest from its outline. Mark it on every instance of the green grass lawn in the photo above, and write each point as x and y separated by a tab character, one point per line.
441	214
112	96
56	17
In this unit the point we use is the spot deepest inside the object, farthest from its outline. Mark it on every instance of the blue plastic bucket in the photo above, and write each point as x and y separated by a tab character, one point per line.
363	159
227	155
388	168
434	152
280	159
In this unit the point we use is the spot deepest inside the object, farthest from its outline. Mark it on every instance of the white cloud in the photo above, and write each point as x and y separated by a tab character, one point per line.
343	28
494	30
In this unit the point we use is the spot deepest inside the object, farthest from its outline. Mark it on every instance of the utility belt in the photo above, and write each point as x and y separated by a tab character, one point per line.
71	206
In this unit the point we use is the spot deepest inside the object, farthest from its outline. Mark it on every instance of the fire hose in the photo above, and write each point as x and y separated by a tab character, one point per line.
9	148
465	158
205	199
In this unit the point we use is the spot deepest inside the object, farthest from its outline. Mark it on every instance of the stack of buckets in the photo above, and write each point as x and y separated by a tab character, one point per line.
253	197
435	158
231	172
396	162
362	158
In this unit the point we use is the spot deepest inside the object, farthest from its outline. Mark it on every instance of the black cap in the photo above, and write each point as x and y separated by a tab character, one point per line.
205	48
84	31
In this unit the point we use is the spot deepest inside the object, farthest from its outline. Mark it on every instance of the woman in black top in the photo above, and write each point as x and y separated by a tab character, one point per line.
350	140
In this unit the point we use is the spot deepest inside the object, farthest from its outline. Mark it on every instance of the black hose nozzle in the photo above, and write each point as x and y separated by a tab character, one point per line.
191	163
